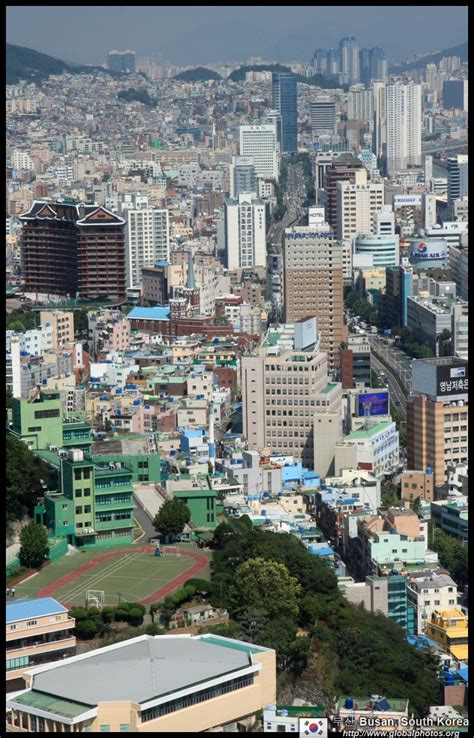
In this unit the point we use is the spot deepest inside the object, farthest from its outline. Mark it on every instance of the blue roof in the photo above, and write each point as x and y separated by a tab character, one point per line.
153	313
24	609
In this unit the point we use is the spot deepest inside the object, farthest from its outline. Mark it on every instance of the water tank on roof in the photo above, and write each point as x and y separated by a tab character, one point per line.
283	713
449	679
161	395
394	572
215	341
147	407
429	470
103	397
171	399
313	549
349	703
136	402
172	453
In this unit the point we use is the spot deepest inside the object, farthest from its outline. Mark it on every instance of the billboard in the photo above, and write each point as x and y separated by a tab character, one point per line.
306	333
451	380
428	249
373	403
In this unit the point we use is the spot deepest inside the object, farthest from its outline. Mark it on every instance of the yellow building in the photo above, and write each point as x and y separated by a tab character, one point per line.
150	684
449	628
38	631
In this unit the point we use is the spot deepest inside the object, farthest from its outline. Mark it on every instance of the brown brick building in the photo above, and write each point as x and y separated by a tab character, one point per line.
74	249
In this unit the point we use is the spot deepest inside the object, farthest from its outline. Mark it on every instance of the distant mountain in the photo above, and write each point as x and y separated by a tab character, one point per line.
34	66
460	50
199	74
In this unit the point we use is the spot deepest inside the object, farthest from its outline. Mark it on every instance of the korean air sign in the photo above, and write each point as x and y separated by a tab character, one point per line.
428	249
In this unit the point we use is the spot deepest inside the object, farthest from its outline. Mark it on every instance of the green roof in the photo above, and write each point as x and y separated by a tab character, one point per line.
369	432
302	711
50	703
236	645
329	387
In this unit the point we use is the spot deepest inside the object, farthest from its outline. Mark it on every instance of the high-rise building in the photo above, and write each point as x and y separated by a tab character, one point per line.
455	94
243	178
285	101
349	59
74	249
358	203
437	416
260	143
458	170
148	238
403	126
313	283
360	105
364	66
320	61
244	224
378	65
379	140
333	66
323	115
343	169
121	61
284	389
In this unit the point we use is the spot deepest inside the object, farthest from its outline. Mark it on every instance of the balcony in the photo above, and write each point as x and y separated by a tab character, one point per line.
41	647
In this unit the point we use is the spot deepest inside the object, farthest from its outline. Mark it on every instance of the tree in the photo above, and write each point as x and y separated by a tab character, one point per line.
266	585
34	545
86	629
389	495
416	505
27	477
81	323
172	518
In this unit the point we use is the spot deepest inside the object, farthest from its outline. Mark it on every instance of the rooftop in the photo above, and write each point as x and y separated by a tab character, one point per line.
143	668
153	313
25	609
377	428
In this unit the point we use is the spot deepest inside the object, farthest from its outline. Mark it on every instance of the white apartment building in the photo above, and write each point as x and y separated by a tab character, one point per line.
360	105
34	342
148	236
22	160
62	325
260	142
244	225
428	593
13	368
403	126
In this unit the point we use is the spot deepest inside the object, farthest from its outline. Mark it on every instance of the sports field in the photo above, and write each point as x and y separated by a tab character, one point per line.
131	575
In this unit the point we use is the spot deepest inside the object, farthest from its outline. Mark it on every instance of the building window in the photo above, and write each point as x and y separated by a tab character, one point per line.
31	623
104	729
125	727
46	414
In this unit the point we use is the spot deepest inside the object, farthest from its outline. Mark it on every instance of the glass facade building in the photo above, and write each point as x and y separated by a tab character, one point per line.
285	101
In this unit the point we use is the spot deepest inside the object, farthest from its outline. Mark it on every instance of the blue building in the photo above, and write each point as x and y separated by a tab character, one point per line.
285	101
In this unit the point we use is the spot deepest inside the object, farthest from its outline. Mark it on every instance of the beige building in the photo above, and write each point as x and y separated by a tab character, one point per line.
38	632
282	393
62	324
313	283
150	684
428	591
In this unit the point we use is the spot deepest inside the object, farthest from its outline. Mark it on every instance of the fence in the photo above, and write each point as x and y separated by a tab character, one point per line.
57	549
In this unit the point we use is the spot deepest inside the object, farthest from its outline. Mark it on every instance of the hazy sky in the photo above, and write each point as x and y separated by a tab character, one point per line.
191	34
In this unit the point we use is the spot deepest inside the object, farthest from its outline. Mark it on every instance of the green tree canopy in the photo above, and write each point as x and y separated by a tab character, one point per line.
23	483
268	585
172	518
34	545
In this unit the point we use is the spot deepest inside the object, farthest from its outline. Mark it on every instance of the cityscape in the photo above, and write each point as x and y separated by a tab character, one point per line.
237	370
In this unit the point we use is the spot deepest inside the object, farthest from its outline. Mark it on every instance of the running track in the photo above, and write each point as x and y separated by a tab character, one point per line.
200	560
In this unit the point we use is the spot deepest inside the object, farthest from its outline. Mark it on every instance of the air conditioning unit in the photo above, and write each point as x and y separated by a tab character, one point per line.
51	447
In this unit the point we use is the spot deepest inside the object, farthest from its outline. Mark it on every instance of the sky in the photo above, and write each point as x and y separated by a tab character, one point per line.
191	34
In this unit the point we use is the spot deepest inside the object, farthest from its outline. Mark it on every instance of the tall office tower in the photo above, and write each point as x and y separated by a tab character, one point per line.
243	179
378	64
343	169
455	94
403	126
148	238
437	416
427	168
357	206
360	105
74	249
380	118
320	61
358	203
285	101
322	162
323	115
260	142
364	66
285	389
333	66
349	59
244	224
458	169
313	283
121	61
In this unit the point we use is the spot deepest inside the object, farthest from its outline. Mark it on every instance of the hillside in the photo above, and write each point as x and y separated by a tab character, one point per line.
199	74
27	64
238	75
460	50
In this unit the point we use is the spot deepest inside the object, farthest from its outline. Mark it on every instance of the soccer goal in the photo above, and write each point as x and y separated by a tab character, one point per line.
170	551
95	597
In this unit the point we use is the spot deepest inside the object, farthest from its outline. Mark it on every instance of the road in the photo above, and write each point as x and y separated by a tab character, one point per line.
431	146
397	395
395	359
146	524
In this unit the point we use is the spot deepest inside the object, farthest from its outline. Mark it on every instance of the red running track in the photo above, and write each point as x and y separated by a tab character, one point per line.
201	562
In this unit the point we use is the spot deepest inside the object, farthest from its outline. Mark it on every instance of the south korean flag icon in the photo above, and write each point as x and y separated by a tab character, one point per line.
317	727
